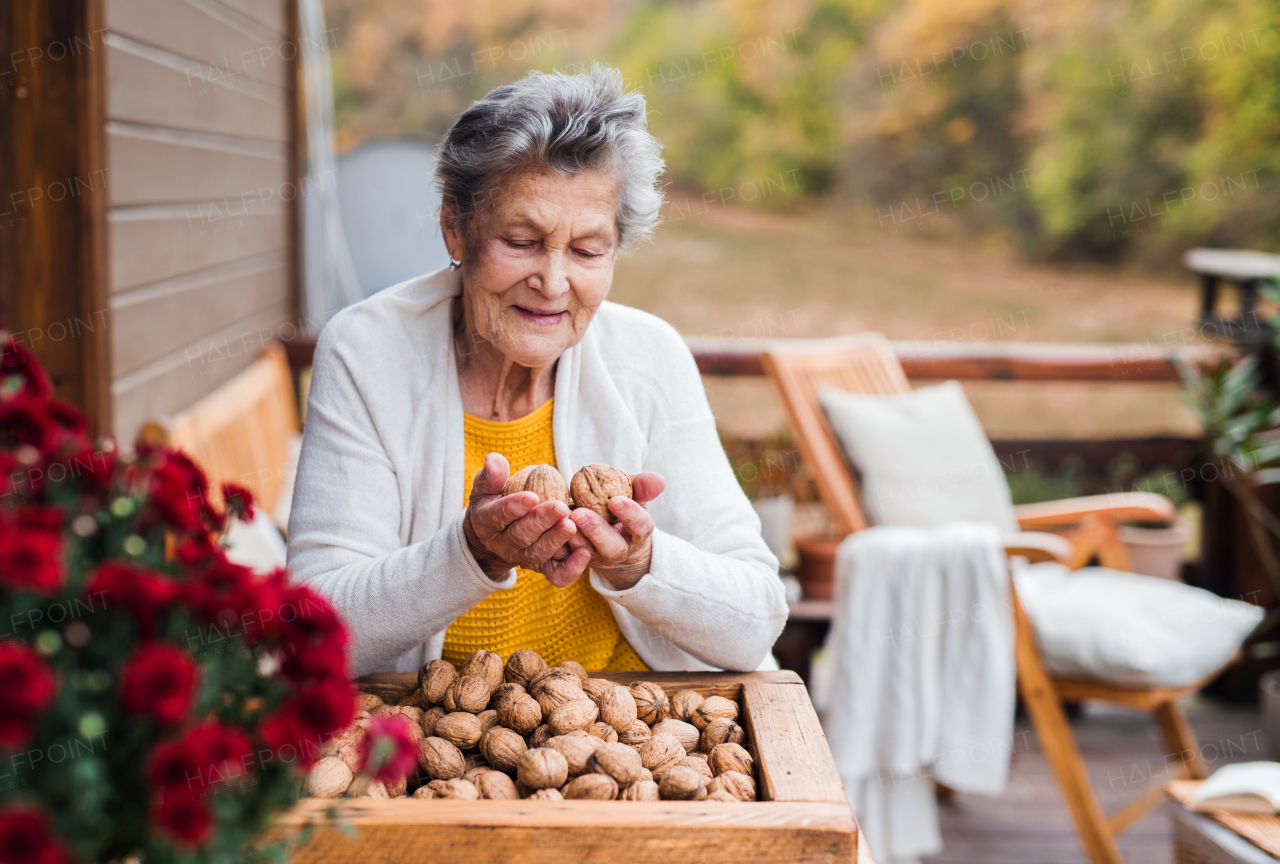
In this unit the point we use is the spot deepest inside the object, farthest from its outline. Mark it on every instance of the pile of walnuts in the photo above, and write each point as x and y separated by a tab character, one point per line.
526	730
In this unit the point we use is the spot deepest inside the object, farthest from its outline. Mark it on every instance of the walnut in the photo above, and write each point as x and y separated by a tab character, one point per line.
576	668
367	787
636	735
468	693
502	747
684	703
594	485
618	708
488	719
543	768
476	765
328	778
573	716
619	761
730	757
540	736
434	679
738	785
503	693
554	673
543	480
596	787
458	789
352	754
603	731
660	753
713	707
651	702
546	795
398	788
576	749
721	796
698	762
495	786
440	759
642	790
485	665
521	713
682	784
423	792
719	731
523	666
593	687
430	718
411	713
460	729
554	692
352	734
367	702
683	732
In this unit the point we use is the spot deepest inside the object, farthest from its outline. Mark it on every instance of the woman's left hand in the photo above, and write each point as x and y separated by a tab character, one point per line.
620	553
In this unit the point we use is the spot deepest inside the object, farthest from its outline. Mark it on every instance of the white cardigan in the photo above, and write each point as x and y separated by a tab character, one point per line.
376	524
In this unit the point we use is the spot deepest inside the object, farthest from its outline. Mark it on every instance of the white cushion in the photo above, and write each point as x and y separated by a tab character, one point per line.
257	544
289	472
922	457
1129	630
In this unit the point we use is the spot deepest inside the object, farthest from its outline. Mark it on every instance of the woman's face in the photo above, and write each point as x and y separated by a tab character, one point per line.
538	262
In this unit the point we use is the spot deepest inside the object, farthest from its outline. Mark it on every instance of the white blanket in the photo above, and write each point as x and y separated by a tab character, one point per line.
922	678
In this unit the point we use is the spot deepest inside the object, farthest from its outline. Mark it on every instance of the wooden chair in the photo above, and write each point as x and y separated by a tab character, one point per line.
867	364
240	432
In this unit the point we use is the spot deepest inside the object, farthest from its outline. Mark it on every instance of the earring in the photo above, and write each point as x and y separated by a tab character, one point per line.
454	265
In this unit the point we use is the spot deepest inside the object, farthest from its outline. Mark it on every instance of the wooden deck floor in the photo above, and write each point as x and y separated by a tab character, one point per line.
1029	824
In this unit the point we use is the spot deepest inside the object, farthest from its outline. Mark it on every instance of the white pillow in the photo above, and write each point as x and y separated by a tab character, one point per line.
922	457
1130	630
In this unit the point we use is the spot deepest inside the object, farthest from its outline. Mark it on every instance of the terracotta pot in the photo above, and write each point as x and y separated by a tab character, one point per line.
1156	551
817	568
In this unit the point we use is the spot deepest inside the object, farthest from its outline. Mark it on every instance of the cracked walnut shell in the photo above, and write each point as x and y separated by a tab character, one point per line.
594	485
544	481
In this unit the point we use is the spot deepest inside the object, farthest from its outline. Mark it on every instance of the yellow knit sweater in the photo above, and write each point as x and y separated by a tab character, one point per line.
572	623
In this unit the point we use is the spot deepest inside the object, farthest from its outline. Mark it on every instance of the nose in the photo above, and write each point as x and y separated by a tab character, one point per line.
551	276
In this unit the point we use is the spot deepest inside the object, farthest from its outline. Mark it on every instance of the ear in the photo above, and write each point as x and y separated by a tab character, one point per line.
453	240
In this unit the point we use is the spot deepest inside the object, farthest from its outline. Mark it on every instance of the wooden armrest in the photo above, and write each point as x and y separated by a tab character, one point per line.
1116	507
1038	546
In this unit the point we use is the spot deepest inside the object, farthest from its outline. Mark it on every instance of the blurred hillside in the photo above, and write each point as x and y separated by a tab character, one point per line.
1101	130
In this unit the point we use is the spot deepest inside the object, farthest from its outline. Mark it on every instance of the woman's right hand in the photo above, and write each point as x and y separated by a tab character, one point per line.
517	530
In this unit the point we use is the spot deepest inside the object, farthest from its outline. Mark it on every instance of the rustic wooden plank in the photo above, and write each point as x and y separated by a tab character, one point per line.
156	320
154	166
793	760
269	13
174	383
151	244
143	88
208	32
405	830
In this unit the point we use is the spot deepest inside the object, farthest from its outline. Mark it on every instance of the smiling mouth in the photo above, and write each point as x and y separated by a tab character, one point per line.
540	316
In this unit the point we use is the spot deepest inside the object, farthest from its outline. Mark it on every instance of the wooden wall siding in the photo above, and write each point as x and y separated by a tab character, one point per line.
199	119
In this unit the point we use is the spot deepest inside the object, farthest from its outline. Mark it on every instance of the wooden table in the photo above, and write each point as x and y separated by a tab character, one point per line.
803	815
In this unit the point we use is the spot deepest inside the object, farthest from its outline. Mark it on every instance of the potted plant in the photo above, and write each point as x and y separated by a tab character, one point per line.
158	701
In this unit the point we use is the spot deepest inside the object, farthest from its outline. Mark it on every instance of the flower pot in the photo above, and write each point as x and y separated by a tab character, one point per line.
1157	551
817	568
775	522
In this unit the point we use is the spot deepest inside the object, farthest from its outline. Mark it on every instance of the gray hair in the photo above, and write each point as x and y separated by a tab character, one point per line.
563	123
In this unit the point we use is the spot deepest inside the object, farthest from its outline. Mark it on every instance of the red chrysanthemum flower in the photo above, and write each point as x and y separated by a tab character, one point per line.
388	751
309	717
312	636
177	491
239	501
30	559
225	593
158	681
28	686
18	362
141	593
25	838
186	820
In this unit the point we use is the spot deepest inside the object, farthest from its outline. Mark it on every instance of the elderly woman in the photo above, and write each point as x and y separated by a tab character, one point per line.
513	357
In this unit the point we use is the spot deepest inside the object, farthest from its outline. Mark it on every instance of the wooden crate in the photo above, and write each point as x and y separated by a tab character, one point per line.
803	817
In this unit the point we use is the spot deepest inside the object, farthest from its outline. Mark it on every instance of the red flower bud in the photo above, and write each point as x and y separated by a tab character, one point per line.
158	681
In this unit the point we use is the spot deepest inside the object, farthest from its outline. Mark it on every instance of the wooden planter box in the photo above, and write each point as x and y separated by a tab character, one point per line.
803	817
